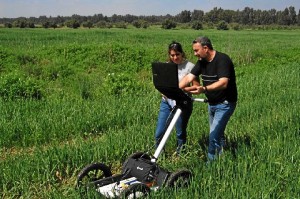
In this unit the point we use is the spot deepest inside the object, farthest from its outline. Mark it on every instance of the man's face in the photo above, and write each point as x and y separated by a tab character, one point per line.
200	51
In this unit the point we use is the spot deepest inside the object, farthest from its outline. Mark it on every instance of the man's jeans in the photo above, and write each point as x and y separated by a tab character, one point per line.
181	124
219	116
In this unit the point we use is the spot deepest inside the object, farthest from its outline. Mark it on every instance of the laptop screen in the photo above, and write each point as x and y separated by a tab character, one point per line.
165	80
165	74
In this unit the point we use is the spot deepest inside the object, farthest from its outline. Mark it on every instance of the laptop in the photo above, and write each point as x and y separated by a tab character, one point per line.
165	80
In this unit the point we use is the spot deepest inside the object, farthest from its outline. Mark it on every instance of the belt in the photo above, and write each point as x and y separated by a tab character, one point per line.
215	103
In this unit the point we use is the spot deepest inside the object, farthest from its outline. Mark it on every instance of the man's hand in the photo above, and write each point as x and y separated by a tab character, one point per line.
197	90
190	88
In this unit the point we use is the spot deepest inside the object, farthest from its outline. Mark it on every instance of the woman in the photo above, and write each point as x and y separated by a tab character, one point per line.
177	56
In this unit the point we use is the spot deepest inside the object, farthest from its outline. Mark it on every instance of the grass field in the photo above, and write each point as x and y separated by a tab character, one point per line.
73	97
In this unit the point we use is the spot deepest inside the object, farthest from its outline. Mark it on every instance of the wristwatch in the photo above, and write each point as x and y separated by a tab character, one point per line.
205	89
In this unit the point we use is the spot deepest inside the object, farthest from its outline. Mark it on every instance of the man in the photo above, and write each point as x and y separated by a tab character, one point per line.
218	78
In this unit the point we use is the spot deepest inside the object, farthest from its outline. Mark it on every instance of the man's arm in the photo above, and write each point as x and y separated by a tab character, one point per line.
186	80
221	84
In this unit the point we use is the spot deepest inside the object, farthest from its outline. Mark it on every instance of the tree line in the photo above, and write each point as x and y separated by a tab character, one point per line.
217	17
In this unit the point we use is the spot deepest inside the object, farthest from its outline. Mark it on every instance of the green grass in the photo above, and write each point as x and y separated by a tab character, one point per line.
99	105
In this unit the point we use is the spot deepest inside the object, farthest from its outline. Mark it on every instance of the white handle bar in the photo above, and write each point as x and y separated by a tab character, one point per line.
199	100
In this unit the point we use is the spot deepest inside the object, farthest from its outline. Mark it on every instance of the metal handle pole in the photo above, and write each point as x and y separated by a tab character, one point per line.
166	135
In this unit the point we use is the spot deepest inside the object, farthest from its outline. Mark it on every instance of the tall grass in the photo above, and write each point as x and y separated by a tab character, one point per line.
88	115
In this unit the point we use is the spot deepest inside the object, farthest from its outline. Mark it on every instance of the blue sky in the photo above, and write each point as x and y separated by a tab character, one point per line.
36	8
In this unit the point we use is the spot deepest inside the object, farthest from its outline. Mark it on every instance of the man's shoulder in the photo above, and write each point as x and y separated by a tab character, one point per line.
222	55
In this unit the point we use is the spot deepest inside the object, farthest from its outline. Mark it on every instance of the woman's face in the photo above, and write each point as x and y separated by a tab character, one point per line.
176	57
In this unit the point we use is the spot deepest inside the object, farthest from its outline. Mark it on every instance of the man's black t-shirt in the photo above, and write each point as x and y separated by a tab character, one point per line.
220	66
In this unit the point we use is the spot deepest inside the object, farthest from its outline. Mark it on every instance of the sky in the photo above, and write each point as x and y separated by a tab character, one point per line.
36	8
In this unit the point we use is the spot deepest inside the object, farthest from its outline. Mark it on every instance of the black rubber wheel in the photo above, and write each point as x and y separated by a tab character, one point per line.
137	190
179	179
136	155
91	173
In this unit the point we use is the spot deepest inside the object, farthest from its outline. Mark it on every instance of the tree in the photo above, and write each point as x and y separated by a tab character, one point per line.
298	19
77	19
214	15
293	15
257	17
284	18
59	20
247	16
8	25
227	15
43	19
287	17
96	18
53	25
184	16
46	24
197	15
272	16
116	18
130	18
263	18
31	25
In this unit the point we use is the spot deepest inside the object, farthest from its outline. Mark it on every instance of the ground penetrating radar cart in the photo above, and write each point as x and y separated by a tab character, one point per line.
140	172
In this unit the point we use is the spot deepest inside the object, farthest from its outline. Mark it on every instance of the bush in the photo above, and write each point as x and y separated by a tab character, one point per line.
103	24
145	24
15	86
123	83
121	24
223	25
235	26
87	24
72	24
137	23
197	25
168	24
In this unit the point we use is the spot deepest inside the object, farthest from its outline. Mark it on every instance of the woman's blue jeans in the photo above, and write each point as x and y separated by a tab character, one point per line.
219	116
180	126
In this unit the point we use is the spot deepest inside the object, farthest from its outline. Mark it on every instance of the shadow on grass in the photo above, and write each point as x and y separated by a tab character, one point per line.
232	144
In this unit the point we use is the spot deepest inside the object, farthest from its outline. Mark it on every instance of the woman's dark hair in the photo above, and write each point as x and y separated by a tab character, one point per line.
177	48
